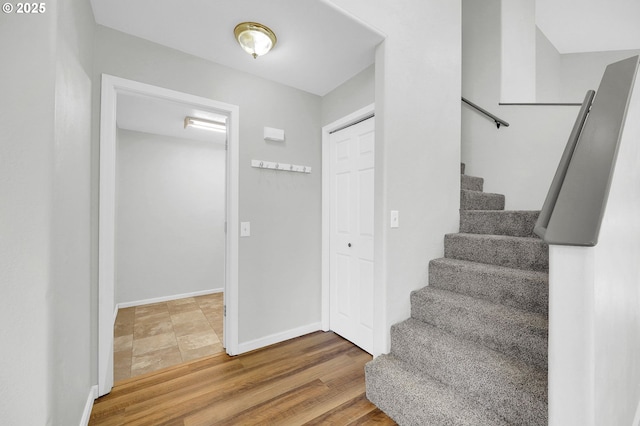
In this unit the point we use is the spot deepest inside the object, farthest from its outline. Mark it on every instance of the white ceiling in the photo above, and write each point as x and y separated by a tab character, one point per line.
162	117
318	46
590	25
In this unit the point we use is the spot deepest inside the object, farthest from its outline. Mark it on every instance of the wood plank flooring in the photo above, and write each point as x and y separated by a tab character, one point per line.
317	379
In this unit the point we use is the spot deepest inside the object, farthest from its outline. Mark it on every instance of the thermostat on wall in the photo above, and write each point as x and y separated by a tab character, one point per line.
271	134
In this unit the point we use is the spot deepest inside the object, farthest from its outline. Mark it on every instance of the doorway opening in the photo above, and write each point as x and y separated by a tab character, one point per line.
170	237
114	91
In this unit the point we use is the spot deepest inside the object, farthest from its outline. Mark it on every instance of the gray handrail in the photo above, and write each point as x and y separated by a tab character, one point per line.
552	196
573	211
499	121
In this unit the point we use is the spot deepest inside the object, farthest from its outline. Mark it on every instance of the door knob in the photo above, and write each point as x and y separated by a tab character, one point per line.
349	244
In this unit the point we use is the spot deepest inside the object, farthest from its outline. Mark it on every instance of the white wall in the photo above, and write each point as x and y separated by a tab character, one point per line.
44	173
548	70
582	71
356	93
279	265
26	150
518	47
518	161
170	214
594	330
417	95
70	331
567	77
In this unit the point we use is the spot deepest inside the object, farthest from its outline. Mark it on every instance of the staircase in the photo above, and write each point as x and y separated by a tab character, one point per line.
474	351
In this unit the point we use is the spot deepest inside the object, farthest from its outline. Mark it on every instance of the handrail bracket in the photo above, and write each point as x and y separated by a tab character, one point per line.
495	118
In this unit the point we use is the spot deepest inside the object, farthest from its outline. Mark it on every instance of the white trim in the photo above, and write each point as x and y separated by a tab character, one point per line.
106	240
278	337
166	298
326	208
636	418
88	406
111	86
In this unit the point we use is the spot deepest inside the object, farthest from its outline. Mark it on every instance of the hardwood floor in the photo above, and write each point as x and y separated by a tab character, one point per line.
317	379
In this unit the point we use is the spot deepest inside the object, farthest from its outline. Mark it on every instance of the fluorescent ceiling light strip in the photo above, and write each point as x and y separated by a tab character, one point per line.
201	123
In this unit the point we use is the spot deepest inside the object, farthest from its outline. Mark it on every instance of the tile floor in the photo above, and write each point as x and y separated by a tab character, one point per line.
152	337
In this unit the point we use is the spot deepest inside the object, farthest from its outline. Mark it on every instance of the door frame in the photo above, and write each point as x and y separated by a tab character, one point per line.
343	122
111	86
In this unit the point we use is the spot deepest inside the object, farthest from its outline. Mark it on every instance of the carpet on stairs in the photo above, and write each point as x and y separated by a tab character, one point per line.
474	351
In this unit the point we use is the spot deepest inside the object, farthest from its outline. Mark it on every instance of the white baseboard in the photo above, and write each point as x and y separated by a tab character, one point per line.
278	337
86	414
165	298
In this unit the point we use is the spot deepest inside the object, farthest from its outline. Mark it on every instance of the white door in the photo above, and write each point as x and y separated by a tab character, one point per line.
351	258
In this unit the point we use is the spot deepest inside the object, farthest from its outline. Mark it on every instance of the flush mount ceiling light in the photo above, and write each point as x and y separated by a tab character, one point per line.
201	123
256	39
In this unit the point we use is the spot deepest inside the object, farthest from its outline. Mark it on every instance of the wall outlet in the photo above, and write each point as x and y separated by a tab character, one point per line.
245	229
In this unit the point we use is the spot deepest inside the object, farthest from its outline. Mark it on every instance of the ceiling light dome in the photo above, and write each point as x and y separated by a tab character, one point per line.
256	39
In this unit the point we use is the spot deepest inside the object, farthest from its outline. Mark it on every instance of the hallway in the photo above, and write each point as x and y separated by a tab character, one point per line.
148	338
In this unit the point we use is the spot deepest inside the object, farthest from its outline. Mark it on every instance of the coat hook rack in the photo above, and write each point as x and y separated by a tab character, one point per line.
280	166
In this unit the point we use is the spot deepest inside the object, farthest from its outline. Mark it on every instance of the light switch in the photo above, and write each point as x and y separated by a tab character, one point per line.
245	229
395	219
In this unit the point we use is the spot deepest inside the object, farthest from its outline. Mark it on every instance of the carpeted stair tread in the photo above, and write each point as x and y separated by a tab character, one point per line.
471	183
514	332
477	200
518	288
498	222
515	390
512	252
474	351
414	399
